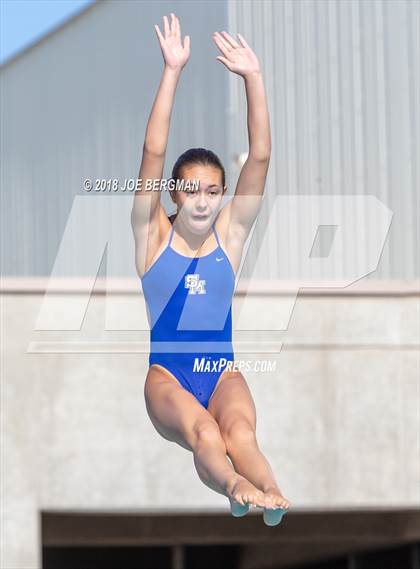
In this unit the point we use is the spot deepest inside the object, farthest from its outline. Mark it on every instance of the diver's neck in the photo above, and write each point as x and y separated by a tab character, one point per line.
192	240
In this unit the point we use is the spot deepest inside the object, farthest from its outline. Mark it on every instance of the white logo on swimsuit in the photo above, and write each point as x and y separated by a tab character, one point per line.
195	286
221	259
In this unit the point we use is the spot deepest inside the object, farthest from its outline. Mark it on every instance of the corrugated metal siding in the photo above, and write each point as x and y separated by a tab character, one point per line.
76	106
343	87
342	80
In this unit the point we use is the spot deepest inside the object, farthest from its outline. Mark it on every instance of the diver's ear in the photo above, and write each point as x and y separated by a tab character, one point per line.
224	189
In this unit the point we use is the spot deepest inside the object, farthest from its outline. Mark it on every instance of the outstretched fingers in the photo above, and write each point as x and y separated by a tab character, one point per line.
172	28
176	27
159	35
175	51
230	40
166	27
222	44
242	40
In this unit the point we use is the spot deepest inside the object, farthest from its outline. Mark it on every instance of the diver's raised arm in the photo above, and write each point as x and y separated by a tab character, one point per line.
175	56
239	58
146	210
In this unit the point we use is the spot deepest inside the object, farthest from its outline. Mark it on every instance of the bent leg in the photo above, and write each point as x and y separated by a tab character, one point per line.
233	408
179	417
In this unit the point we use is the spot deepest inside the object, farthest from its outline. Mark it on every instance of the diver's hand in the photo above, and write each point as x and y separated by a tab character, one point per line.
175	55
238	58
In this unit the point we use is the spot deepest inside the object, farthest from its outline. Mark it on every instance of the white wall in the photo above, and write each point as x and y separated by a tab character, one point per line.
339	419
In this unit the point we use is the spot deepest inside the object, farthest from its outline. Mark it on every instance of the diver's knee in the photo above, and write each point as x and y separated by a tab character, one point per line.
239	432
206	432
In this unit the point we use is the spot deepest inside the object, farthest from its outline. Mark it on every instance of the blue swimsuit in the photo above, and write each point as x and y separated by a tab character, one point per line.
189	307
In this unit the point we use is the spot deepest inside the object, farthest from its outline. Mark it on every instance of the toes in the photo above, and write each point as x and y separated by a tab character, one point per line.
269	501
260	499
273	501
254	500
285	503
251	498
238	498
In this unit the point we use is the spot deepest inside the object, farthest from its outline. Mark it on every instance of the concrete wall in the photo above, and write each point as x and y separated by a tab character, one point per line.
338	420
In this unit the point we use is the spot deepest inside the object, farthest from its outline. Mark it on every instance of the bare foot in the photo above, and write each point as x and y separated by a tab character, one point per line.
274	498
241	491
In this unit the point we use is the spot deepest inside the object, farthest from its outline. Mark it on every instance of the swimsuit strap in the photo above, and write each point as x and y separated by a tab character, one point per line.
172	234
215	234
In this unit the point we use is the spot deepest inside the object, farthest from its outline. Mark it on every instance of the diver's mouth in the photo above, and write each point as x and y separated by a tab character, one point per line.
200	217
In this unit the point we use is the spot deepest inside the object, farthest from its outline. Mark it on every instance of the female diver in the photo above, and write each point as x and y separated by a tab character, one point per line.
187	265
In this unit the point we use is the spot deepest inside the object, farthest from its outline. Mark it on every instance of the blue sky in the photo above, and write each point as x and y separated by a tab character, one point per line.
25	21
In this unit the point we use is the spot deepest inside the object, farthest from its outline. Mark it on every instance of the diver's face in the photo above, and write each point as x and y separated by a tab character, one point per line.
199	207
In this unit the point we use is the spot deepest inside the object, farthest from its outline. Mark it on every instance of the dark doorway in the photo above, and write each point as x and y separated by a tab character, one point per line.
303	540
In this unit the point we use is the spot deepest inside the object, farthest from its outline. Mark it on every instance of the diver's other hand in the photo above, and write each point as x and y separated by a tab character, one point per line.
238	57
175	54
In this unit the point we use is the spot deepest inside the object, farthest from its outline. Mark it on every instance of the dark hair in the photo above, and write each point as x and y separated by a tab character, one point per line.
197	156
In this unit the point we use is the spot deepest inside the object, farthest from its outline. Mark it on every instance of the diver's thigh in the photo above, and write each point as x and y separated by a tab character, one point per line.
175	412
233	403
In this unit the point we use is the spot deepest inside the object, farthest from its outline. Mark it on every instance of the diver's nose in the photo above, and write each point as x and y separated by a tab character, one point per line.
202	202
